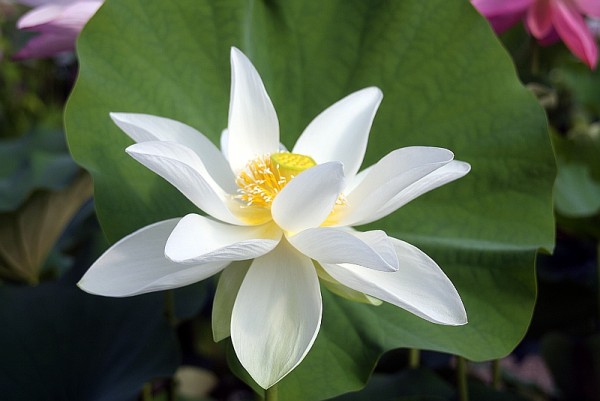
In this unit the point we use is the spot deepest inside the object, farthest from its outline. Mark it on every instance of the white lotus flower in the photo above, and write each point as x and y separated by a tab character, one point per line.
277	221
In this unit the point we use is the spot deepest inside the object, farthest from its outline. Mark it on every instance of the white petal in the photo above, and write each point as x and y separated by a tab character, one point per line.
198	239
443	175
183	169
145	127
137	264
253	125
341	132
392	174
419	286
225	143
309	198
277	314
345	292
227	290
372	249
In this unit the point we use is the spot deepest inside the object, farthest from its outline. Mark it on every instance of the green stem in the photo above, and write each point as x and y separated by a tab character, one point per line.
461	378
414	358
271	393
496	374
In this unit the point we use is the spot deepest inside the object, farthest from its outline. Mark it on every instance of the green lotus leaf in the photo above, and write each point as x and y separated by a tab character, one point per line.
446	82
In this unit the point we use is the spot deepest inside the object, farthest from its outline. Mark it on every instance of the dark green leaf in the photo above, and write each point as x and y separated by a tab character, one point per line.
39	160
59	343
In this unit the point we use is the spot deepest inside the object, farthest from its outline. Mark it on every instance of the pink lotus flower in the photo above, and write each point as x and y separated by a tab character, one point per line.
58	23
548	21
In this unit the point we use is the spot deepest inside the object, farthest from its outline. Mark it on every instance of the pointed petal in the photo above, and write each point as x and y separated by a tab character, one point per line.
277	314
198	239
183	169
39	16
371	249
253	125
419	286
59	18
539	19
74	16
145	127
227	290
340	133
391	175
443	175
309	198
573	30
137	264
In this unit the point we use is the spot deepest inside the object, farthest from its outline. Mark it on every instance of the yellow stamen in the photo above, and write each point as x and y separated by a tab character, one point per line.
265	176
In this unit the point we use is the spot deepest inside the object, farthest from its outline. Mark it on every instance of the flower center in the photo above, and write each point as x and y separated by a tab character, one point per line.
265	176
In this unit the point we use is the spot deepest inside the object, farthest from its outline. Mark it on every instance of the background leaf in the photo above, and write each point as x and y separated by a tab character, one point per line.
577	188
59	343
28	234
38	160
446	81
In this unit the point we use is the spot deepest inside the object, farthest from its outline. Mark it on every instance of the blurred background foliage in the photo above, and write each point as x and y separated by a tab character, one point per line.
41	188
565	328
49	235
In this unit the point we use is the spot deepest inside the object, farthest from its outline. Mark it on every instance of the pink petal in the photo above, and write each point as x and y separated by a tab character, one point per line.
78	14
539	19
501	23
59	23
53	17
573	30
551	38
493	8
590	8
39	16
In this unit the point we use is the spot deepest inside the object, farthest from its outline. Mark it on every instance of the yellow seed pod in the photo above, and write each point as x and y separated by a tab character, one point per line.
291	164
